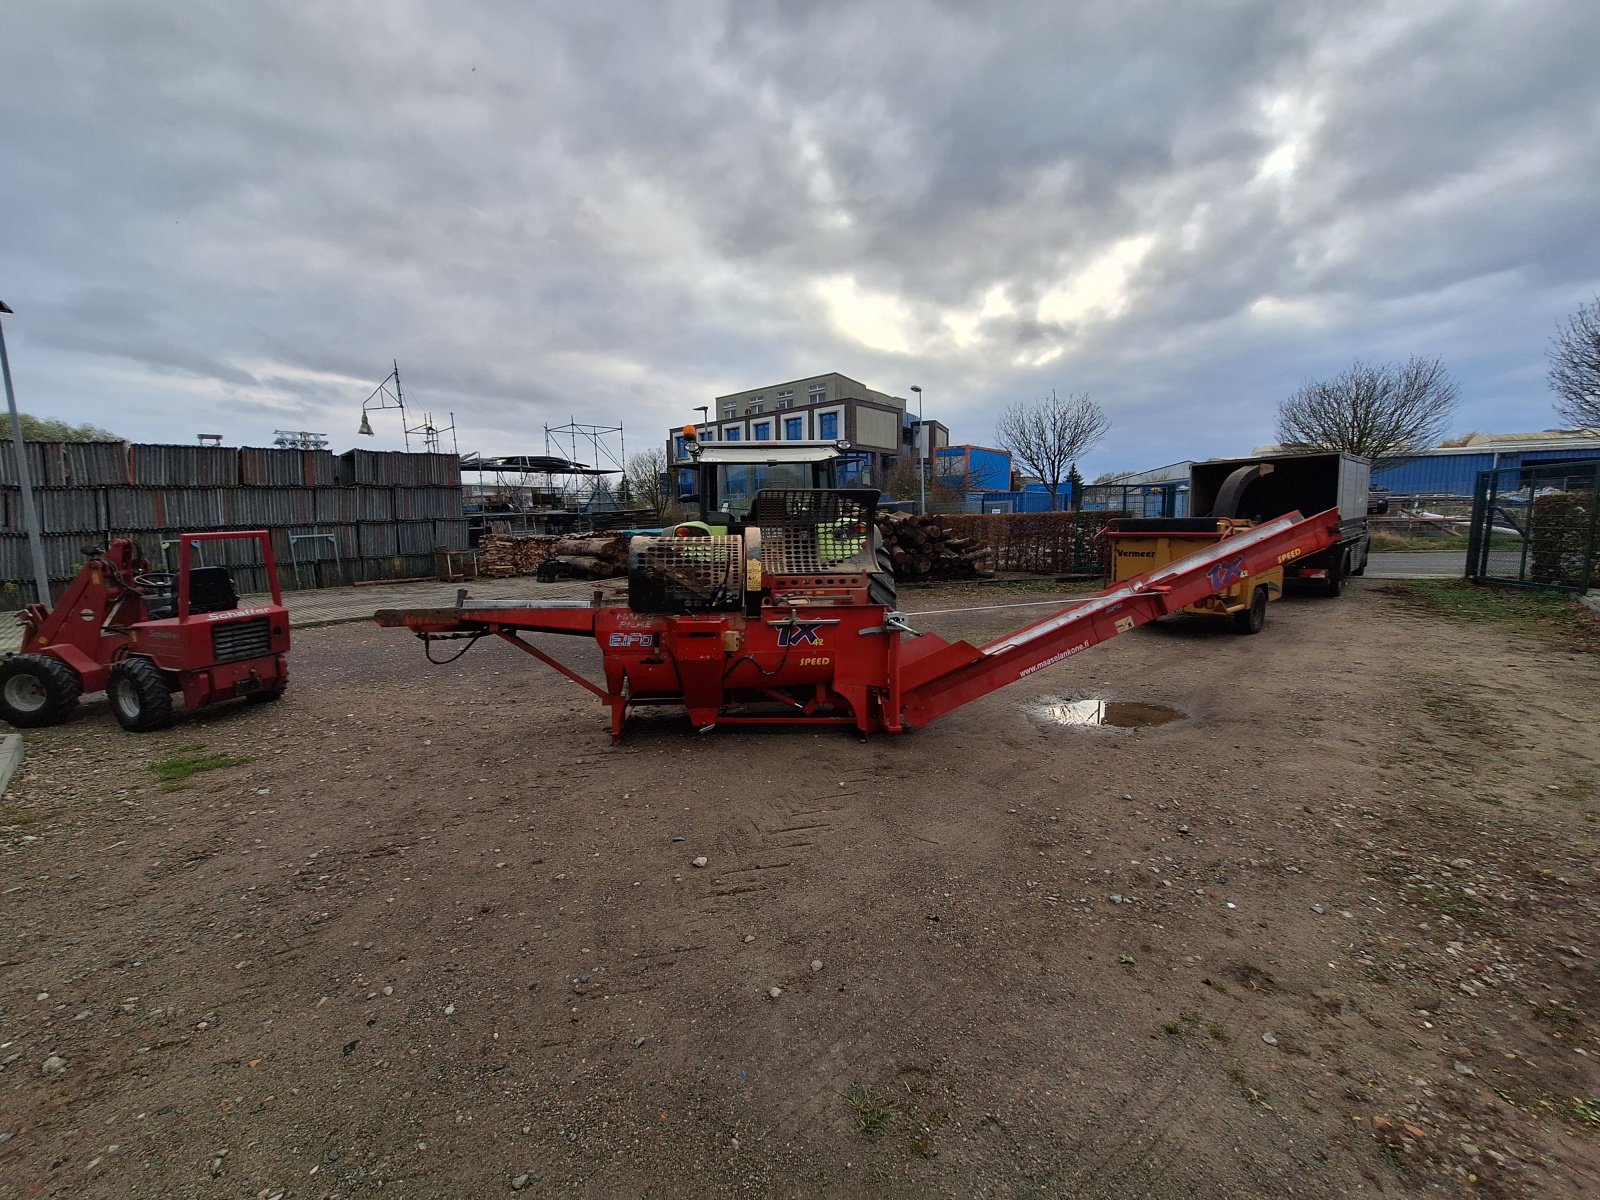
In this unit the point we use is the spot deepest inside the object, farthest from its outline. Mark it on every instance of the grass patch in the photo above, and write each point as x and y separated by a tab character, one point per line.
173	772
1551	616
872	1110
1583	1111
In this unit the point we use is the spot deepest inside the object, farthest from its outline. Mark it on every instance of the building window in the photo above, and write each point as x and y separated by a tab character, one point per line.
762	431
792	429
677	444
817	393
756	406
828	426
732	435
785	401
729	411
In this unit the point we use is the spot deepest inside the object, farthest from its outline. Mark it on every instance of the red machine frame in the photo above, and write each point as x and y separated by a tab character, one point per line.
826	656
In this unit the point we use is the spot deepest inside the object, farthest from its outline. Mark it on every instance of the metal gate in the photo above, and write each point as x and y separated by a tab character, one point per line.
1537	526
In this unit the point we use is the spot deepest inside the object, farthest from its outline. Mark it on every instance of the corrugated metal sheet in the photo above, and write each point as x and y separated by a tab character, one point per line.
39	455
180	466
192	509
263	467
414	537
450	535
261	507
1438	474
336	504
416	504
397	468
61	510
90	464
374	504
377	540
130	508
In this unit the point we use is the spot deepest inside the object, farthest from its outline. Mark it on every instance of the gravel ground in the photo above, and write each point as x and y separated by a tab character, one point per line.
1330	934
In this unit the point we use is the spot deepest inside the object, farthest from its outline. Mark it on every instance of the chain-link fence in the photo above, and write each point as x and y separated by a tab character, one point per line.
1537	527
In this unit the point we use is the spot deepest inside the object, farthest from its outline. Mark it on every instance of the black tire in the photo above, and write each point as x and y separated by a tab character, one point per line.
140	698
37	690
1333	586
880	584
1366	551
1254	618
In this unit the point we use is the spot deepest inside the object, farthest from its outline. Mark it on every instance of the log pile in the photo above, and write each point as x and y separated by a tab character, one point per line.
599	557
928	547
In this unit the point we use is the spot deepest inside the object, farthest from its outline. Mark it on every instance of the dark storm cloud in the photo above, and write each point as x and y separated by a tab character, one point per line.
614	211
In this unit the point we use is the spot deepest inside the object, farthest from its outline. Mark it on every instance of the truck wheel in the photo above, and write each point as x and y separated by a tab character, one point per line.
1334	585
880	583
1252	619
139	695
1361	567
37	690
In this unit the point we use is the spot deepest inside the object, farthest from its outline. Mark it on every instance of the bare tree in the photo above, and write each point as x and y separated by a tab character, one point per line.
1048	436
952	480
643	478
1383	411
899	482
1575	367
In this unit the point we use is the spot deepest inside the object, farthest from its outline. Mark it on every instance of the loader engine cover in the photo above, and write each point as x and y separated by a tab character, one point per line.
686	574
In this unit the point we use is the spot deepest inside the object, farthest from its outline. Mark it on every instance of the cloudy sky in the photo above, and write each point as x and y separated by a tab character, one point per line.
230	217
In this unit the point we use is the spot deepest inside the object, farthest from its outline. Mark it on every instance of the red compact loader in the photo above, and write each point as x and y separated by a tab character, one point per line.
141	635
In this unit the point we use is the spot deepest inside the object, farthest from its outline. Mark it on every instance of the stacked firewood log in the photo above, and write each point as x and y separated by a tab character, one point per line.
599	557
926	547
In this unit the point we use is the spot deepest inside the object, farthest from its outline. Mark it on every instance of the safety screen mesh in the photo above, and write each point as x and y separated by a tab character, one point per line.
815	532
685	574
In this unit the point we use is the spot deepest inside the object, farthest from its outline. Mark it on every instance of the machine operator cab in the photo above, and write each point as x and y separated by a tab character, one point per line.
727	477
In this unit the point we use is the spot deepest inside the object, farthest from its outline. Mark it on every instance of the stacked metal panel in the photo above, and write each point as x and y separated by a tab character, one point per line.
263	467
184	466
334	519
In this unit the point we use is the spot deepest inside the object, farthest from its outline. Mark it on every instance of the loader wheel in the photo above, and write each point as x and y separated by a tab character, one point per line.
1253	618
36	690
880	583
139	695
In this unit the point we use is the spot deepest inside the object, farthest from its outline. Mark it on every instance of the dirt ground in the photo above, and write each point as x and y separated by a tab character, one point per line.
1333	934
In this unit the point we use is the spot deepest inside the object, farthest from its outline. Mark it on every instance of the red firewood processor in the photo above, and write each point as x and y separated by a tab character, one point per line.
783	613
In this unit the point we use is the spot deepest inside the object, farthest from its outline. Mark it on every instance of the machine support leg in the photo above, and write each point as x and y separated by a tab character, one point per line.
511	637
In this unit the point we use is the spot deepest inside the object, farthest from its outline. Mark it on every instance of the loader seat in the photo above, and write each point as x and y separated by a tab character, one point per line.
211	590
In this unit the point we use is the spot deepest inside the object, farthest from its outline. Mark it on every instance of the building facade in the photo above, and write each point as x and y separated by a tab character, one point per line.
1453	470
827	408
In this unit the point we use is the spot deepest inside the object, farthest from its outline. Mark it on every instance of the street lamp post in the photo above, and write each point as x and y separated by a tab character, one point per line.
30	515
922	449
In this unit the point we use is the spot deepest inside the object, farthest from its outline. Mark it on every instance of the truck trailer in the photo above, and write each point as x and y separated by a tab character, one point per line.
1311	482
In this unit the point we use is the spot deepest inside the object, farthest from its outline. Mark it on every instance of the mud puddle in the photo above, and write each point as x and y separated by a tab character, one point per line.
1093	714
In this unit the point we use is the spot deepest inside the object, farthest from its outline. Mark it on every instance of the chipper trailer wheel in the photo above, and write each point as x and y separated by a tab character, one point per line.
1252	619
1336	576
139	694
36	690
